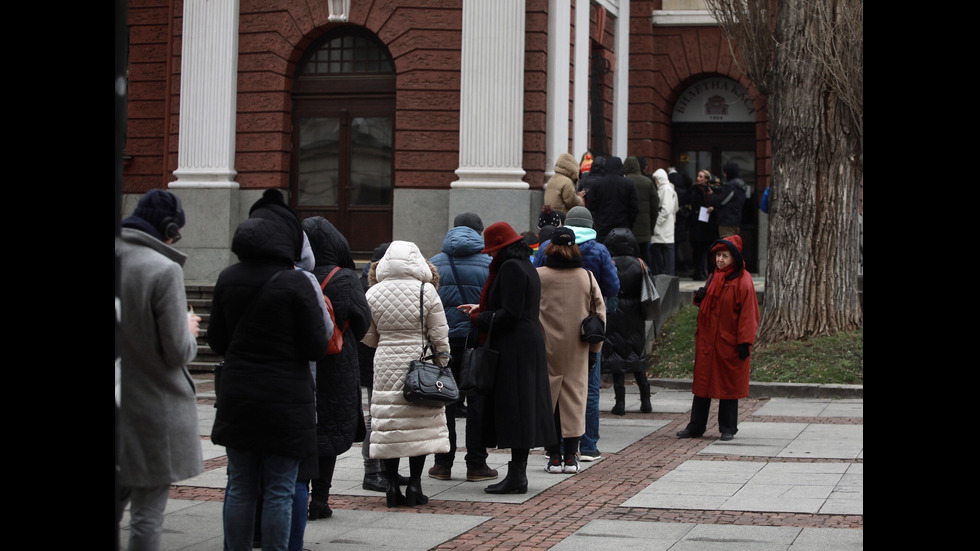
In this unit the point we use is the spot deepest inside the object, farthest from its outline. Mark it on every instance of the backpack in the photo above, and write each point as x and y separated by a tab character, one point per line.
337	339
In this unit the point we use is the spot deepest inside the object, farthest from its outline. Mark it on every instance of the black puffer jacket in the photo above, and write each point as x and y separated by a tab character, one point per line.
338	381
265	401
624	349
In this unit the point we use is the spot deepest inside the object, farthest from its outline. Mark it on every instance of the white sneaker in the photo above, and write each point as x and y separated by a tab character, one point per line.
554	465
570	464
590	456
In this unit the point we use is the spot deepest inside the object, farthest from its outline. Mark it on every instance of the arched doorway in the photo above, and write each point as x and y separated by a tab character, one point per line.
343	136
714	122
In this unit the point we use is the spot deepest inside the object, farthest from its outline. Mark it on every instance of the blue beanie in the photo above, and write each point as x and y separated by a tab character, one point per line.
157	209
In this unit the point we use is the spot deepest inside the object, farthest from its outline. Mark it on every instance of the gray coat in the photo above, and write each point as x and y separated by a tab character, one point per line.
160	440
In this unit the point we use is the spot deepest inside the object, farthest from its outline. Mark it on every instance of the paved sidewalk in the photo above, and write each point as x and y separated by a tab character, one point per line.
792	479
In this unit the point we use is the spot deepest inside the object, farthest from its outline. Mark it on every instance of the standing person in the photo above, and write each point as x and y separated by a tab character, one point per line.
267	322
597	169
682	187
568	295
662	242
728	201
625	347
728	317
560	191
649	205
399	330
159	439
374	474
612	200
340	416
463	269
596	259
517	414
703	232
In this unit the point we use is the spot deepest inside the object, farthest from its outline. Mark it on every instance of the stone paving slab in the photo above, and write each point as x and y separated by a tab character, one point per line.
664	536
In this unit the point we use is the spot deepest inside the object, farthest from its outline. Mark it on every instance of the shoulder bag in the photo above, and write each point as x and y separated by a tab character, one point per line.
593	328
428	383
649	297
479	367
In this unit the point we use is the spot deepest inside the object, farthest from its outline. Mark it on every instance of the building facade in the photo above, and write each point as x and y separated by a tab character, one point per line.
389	118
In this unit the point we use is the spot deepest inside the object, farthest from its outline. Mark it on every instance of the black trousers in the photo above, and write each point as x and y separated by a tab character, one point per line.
476	452
727	416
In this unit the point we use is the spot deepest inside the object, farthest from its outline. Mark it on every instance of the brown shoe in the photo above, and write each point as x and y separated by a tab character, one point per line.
480	473
439	472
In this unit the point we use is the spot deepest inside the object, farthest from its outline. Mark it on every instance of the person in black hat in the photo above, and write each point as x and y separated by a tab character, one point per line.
267	322
158	435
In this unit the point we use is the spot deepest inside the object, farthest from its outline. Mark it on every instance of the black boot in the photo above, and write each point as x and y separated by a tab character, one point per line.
514	483
644	384
393	495
619	387
319	495
413	493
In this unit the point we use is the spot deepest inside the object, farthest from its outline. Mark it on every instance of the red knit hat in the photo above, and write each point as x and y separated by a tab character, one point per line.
498	236
586	165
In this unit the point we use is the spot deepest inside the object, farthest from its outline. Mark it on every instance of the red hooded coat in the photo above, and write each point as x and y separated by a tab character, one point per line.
728	315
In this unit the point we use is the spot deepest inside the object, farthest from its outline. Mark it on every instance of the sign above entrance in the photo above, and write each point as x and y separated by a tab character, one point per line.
715	99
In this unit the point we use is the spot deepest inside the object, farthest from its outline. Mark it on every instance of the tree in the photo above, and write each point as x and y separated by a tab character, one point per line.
807	58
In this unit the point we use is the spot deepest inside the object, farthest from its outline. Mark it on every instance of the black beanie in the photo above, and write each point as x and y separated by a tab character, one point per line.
470	220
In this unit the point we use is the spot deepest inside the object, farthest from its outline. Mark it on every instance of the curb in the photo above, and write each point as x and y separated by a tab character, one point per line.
779	390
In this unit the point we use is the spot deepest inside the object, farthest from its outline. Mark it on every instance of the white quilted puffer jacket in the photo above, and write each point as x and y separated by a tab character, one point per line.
400	429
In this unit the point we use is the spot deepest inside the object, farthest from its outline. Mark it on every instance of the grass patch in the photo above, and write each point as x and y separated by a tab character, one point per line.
837	359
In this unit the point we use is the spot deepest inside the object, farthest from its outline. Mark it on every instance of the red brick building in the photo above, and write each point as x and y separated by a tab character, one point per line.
389	118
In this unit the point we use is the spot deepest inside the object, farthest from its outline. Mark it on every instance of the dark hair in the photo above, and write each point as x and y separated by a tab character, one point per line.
518	249
568	252
730	169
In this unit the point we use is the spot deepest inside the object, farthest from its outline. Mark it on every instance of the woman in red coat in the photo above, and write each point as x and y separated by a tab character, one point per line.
728	318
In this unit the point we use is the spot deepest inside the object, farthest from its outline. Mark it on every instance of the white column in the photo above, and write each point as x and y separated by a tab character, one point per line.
621	82
491	122
559	73
580	129
208	88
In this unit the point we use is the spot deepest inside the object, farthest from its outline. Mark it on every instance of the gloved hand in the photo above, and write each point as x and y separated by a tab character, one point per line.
743	351
592	358
699	294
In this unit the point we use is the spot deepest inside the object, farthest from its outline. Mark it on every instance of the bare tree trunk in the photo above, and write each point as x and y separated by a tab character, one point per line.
812	274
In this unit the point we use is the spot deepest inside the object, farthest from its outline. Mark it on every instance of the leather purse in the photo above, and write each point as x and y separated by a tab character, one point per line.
428	383
476	376
593	328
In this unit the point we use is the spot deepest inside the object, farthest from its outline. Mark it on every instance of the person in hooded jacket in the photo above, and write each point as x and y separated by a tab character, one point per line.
517	413
625	347
612	200
596	170
340	417
374	474
703	232
463	269
400	327
568	295
560	190
728	202
267	322
662	242
728	318
649	205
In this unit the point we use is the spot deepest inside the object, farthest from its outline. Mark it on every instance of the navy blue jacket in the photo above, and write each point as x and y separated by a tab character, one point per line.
463	244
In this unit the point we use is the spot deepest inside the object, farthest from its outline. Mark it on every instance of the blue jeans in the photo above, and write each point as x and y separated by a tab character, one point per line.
590	440
278	478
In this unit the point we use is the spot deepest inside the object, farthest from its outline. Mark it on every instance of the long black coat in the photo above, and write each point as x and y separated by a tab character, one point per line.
625	348
518	413
338	380
265	400
612	200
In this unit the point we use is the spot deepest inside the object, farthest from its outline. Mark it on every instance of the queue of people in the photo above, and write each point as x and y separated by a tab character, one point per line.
286	409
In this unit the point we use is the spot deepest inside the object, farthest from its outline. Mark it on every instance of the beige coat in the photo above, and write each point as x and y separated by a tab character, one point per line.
560	190
565	302
398	428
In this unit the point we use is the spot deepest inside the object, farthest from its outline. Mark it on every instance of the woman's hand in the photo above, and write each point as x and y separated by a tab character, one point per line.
468	309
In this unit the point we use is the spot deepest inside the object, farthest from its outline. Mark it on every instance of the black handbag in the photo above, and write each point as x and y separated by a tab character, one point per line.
428	383
593	328
479	368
